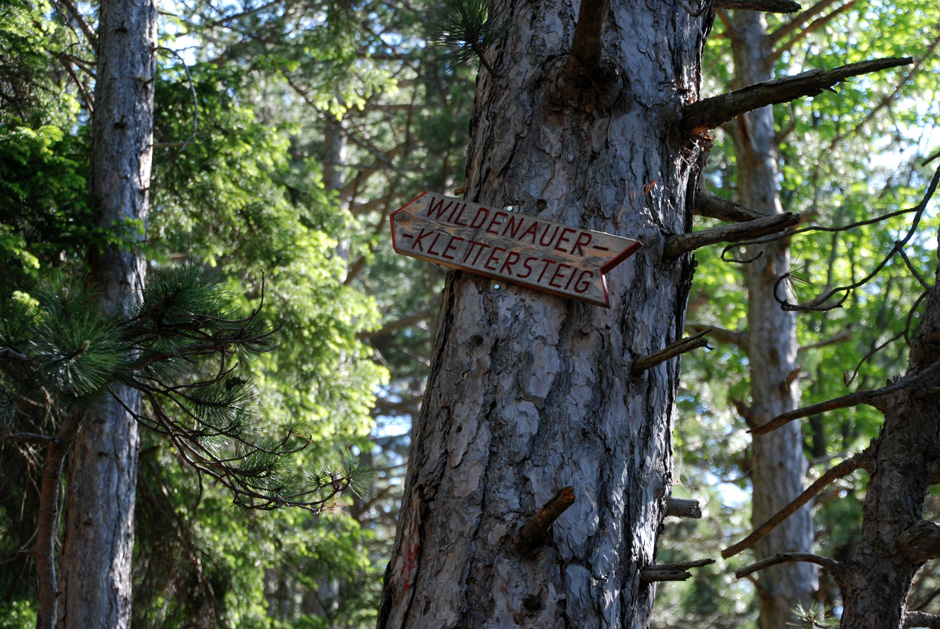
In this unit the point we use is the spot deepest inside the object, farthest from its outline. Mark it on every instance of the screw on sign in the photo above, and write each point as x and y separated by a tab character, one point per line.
509	246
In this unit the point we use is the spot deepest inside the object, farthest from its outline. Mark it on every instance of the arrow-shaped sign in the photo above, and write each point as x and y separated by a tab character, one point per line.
509	246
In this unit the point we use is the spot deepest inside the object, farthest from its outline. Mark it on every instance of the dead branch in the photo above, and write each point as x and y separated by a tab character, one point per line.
536	530
832	340
768	6
712	206
921	619
712	112
670	351
799	20
921	542
680	244
858	398
809	30
671	571
722	335
587	46
683	508
833	566
862	460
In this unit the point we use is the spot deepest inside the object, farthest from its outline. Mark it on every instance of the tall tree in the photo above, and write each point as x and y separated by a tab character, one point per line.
530	394
102	478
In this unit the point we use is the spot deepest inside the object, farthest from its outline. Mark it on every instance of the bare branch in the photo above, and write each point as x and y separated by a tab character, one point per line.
535	531
833	566
683	508
28	437
858	398
671	571
809	30
862	460
684	243
722	335
587	46
767	6
921	542
712	112
799	20
832	340
712	206
921	619
82	24
670	351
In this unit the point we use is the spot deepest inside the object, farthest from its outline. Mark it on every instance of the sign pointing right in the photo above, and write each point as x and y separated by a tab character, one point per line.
509	246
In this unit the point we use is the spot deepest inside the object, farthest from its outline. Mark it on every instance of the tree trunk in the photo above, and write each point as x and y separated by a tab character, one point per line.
529	393
99	536
895	542
779	465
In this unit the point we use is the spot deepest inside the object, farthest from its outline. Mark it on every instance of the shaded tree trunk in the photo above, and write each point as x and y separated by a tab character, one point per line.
99	536
529	393
895	541
779	464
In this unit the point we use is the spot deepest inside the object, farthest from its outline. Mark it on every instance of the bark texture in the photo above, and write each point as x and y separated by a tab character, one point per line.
779	465
894	541
529	393
99	535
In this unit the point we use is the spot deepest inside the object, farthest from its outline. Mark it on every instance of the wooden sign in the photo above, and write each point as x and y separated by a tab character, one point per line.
509	246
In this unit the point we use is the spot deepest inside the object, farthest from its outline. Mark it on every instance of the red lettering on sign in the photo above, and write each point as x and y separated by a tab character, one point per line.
511	259
584	238
527	263
563	238
548	265
450	247
434	242
437	211
533	228
457	220
558	272
492	258
513	226
482	213
424	233
551	238
583	283
495	223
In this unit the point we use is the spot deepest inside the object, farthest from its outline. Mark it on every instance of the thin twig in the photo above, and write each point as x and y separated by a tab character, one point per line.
536	530
835	567
680	244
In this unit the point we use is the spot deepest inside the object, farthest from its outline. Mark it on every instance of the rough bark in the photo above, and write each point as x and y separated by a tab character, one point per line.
894	540
779	465
96	561
529	393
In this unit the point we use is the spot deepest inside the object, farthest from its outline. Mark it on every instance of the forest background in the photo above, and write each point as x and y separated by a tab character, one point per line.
285	133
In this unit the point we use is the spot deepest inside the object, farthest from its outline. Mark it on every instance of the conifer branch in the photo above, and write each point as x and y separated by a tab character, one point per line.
921	542
799	20
588	44
536	530
766	6
680	244
862	460
921	619
713	112
722	335
833	566
809	30
670	351
870	397
683	508
671	571
712	206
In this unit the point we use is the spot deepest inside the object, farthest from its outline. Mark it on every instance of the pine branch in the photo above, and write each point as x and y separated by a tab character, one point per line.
670	351
767	6
921	542
722	335
588	44
715	111
683	508
835	567
862	460
680	244
799	20
536	530
712	206
809	30
671	571
921	619
858	398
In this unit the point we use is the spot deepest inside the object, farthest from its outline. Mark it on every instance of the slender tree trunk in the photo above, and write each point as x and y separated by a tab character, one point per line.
895	542
529	393
779	465
99	536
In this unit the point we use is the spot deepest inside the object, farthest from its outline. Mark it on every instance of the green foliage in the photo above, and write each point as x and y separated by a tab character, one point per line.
467	28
